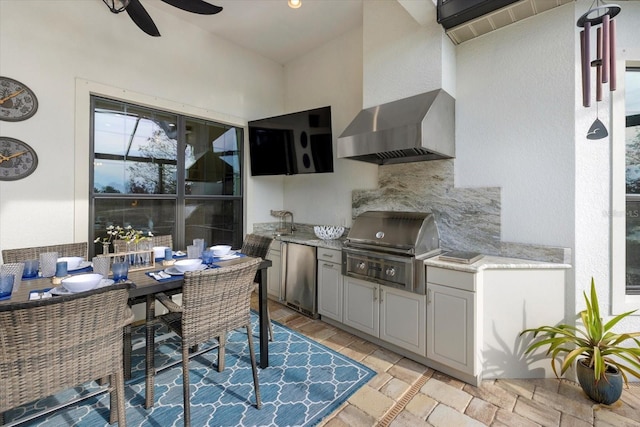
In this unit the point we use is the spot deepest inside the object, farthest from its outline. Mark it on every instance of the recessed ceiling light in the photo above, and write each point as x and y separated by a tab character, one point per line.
294	4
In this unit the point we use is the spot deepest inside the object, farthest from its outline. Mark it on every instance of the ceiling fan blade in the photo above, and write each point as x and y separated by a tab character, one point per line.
195	6
141	18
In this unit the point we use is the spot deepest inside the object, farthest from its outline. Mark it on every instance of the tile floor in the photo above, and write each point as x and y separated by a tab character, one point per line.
406	393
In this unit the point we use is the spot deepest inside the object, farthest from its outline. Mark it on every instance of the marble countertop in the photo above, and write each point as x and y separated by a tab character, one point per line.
311	240
493	262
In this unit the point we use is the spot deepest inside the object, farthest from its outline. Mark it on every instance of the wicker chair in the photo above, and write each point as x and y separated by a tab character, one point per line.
24	254
54	344
214	302
257	246
166	240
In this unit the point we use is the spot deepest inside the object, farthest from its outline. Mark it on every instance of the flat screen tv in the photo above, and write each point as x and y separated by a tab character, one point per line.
292	144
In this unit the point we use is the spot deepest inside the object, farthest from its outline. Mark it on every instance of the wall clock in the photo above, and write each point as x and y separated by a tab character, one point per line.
17	159
17	101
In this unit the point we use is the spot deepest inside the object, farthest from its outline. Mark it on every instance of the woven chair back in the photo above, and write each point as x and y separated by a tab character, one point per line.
165	240
54	344
24	254
256	246
216	300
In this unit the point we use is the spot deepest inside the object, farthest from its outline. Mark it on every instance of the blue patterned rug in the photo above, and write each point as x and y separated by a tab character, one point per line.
304	383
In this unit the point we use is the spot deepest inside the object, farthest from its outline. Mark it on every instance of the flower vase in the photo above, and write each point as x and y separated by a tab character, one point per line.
105	248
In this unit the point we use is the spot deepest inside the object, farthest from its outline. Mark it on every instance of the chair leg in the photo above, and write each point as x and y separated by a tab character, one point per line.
126	352
221	351
254	368
185	386
119	408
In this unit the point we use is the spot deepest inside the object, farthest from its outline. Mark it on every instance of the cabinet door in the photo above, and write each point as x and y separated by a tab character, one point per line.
274	275
330	290
361	305
450	329
403	319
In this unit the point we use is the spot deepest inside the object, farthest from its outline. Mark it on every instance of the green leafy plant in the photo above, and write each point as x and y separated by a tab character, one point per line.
595	342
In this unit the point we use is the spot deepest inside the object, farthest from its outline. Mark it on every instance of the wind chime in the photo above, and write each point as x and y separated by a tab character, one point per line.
601	18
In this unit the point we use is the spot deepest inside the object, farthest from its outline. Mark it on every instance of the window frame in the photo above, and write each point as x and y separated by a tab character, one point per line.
620	301
83	150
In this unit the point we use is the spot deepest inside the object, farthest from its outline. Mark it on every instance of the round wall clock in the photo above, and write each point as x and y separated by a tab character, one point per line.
17	159
17	101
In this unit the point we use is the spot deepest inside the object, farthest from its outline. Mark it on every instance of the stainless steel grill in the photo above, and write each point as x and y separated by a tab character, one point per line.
389	248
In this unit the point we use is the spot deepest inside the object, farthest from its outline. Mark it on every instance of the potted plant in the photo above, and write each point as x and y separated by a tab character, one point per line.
603	361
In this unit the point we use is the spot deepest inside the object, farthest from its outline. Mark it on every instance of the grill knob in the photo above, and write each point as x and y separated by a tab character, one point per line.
391	271
380	235
361	265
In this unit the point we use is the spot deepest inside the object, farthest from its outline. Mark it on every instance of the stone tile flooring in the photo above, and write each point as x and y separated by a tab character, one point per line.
406	393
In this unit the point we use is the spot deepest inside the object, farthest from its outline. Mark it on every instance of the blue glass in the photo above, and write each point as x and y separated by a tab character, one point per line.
207	256
61	268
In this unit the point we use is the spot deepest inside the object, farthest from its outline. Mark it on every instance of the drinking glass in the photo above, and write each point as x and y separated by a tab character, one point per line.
200	244
6	285
207	256
30	268
15	269
61	268
48	262
193	251
120	270
101	265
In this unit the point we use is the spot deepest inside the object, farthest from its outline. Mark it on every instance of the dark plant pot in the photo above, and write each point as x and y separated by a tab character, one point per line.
607	391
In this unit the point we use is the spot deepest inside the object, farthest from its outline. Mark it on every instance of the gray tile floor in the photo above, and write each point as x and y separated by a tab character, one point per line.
406	393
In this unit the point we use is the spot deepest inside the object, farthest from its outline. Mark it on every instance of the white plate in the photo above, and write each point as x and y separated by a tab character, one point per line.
83	264
61	290
229	256
175	272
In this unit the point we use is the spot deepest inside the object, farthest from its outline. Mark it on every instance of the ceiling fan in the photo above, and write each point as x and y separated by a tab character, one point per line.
141	18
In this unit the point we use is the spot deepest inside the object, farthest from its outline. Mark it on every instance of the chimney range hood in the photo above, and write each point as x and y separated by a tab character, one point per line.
418	128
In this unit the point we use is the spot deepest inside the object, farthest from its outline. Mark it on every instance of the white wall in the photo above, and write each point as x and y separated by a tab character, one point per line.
330	75
595	213
186	69
514	124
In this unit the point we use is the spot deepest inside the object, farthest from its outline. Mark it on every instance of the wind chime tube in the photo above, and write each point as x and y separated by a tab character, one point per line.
599	67
612	55
605	48
586	63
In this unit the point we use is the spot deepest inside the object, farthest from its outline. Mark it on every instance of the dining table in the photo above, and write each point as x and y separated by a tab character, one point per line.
144	287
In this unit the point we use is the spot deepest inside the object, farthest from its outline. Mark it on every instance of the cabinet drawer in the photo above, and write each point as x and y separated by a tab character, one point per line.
329	255
452	278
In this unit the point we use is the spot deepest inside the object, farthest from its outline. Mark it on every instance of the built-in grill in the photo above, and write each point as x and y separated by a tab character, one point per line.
389	248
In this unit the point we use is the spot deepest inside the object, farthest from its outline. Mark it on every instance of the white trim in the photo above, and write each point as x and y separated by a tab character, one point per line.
620	302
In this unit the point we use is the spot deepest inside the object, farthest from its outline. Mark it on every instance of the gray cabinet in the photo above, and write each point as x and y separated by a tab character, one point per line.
330	283
403	319
451	324
361	307
393	315
274	273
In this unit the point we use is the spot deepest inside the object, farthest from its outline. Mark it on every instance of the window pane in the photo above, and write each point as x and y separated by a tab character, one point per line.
135	149
215	221
157	216
632	140
212	159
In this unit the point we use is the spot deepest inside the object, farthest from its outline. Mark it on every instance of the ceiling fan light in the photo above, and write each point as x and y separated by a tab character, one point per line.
294	4
116	6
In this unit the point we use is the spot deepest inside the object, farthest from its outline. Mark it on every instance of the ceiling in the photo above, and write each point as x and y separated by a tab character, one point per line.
272	28
280	33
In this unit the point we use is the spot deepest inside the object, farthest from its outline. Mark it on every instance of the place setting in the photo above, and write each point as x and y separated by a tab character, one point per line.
197	259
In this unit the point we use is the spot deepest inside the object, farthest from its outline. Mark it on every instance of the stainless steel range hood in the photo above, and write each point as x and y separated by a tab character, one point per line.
418	128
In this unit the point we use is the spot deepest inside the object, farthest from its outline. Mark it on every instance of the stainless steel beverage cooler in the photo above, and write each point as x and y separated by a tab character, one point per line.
300	278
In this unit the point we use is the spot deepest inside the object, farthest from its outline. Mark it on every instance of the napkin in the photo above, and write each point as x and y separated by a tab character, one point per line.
40	294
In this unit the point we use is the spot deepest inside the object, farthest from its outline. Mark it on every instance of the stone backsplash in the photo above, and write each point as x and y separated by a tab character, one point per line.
468	219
